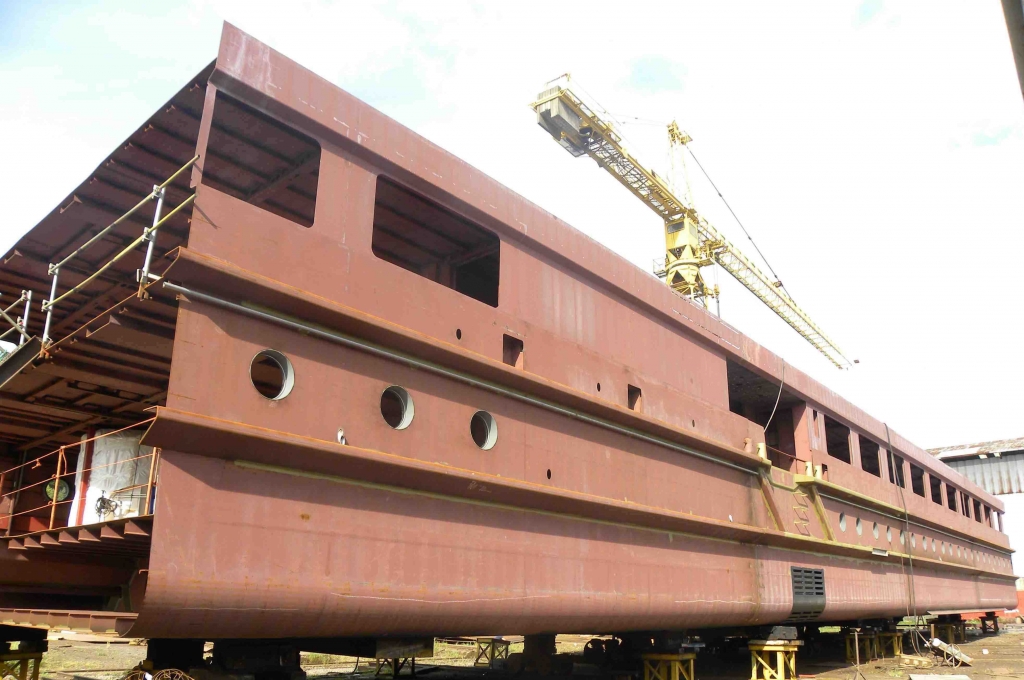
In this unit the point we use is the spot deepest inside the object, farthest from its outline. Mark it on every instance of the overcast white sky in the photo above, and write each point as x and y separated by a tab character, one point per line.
875	150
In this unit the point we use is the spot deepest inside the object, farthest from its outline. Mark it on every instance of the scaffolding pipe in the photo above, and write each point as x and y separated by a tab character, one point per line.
144	274
56	488
24	320
149	484
15	324
48	308
153	194
132	246
54	269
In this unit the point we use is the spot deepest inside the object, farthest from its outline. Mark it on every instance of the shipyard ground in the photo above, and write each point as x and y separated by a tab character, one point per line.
77	657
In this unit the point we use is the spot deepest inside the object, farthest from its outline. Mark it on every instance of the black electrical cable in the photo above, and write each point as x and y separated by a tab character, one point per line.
900	480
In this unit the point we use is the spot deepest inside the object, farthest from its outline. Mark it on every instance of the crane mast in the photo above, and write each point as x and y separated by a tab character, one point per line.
691	242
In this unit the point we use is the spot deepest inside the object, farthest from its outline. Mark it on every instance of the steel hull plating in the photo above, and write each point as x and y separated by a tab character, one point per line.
322	557
623	489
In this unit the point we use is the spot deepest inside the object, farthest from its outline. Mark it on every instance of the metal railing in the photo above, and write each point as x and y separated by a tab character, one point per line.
782	459
19	324
62	472
149	235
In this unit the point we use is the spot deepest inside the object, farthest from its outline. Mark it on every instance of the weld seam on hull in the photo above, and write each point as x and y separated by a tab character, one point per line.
377	350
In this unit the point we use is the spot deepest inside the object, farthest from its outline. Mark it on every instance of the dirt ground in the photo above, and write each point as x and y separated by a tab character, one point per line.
995	656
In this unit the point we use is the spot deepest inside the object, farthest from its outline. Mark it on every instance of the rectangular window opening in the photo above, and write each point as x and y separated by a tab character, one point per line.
767	403
837	440
965	504
936	488
917	480
988	515
262	161
634	397
951	497
512	351
896	473
977	510
869	456
420	236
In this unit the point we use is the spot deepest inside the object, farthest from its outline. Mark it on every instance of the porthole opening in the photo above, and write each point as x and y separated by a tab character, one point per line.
598	387
888	534
271	374
484	430
397	408
874	529
842	521
458	334
860	528
549	474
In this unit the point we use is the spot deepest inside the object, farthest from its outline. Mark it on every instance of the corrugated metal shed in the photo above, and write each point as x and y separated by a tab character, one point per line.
997	447
997	475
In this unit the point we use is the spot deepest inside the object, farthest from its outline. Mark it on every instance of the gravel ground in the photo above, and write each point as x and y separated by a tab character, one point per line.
78	660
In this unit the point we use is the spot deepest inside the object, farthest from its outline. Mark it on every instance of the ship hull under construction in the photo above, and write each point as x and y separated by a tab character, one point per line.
387	396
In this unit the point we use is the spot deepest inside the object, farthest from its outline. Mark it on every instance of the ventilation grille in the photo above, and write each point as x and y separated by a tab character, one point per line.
808	593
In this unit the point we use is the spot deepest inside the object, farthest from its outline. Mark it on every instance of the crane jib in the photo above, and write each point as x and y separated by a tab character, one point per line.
575	125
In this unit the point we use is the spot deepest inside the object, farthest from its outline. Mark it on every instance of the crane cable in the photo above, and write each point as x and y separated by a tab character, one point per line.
647	121
735	217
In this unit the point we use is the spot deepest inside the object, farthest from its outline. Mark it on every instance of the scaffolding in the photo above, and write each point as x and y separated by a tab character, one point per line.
148	236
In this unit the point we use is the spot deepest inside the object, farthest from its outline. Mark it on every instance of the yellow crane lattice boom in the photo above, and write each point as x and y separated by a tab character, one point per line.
691	241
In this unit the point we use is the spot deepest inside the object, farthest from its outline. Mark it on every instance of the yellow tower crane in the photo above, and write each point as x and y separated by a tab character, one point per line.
691	243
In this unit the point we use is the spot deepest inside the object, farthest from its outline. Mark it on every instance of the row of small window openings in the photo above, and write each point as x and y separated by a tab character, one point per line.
935	544
837	445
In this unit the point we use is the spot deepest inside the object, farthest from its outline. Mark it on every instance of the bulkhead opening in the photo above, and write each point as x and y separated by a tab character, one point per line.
917	480
432	241
261	161
755	398
837	439
869	456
